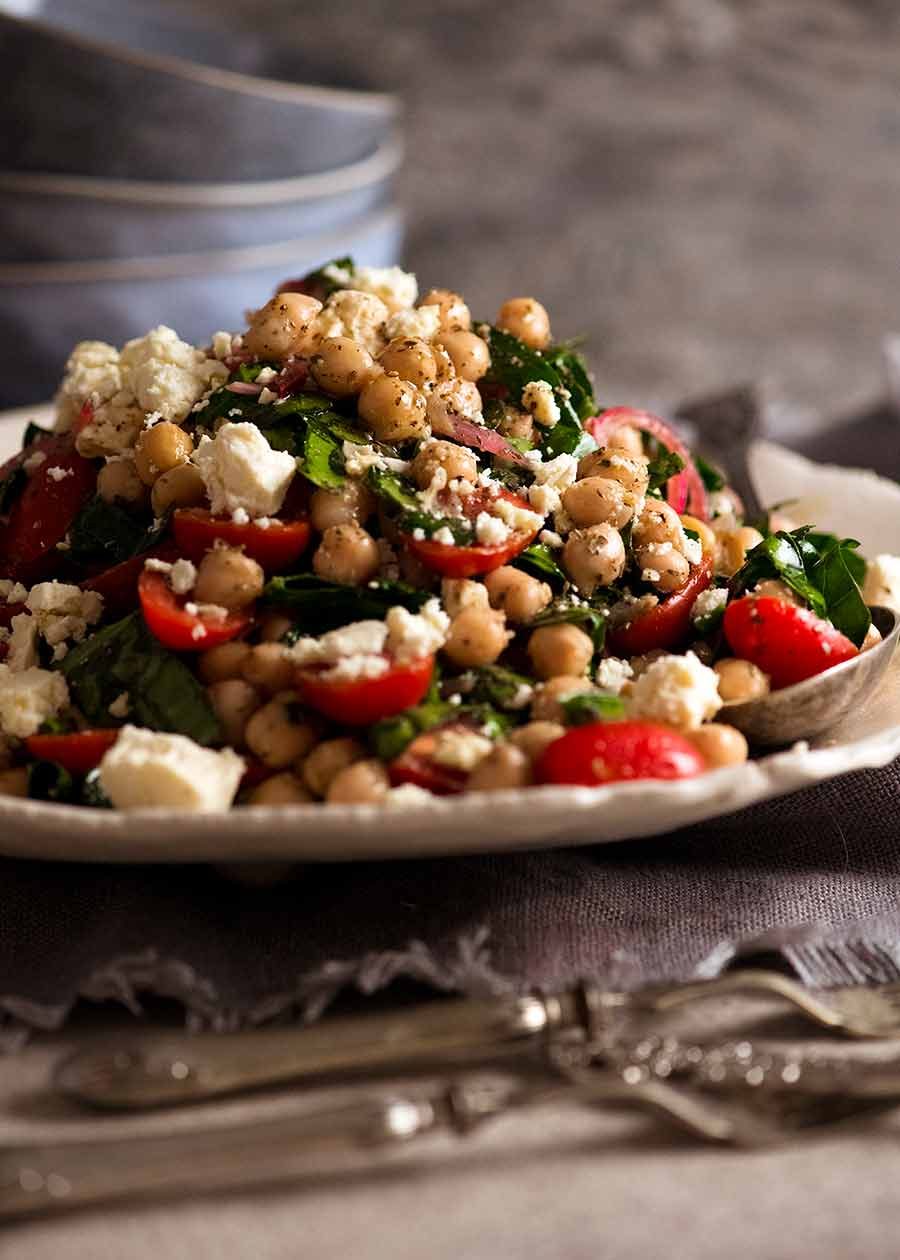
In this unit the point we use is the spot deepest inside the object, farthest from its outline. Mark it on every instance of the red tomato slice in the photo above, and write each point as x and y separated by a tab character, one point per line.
119	585
612	752
77	752
174	626
416	765
276	547
362	701
786	642
666	626
468	561
43	511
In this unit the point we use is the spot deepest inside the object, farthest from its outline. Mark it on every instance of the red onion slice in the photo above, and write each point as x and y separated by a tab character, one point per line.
685	491
292	376
243	387
483	439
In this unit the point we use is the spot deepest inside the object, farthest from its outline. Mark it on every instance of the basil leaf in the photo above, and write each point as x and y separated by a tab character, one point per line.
107	533
539	562
321	605
391	736
513	365
592	706
666	464
780	556
854	561
163	692
833	573
591	620
712	479
396	490
399	493
573	373
498	687
322	459
49	781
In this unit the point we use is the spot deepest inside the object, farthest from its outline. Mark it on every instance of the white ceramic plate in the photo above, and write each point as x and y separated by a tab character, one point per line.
847	501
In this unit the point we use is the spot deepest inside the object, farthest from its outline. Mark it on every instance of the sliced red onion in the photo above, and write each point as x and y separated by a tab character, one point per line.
685	491
292	376
483	439
244	387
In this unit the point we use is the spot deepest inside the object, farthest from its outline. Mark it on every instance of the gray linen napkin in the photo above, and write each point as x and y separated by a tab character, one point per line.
814	877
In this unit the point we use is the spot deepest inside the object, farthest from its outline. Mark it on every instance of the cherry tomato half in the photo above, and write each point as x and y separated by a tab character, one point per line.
612	752
78	752
468	561
41	514
416	764
786	642
276	547
168	619
668	624
362	701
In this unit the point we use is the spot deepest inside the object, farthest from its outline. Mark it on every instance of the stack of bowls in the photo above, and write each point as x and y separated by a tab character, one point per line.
139	188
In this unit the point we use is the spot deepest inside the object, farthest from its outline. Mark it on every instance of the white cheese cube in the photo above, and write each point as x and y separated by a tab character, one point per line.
241	471
539	399
166	374
29	698
678	690
145	769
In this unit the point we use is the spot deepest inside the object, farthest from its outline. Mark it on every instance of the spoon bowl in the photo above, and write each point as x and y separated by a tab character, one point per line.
814	706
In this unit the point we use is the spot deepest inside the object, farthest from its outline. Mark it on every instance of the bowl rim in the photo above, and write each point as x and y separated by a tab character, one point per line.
198	262
360	101
376	167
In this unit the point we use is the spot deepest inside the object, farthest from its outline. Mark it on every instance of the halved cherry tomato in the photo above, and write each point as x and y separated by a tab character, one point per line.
41	514
119	585
77	752
611	752
168	619
786	642
665	626
416	764
276	547
362	701
468	561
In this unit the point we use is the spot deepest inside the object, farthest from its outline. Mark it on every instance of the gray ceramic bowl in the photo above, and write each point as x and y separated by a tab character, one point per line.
45	308
75	105
58	218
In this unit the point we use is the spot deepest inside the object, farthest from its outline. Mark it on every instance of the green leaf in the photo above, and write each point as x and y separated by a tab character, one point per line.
107	533
394	489
573	372
513	365
391	736
320	285
320	605
163	693
92	793
712	479
666	464
562	611
49	781
322	459
834	574
538	560
780	556
592	706
498	687
398	492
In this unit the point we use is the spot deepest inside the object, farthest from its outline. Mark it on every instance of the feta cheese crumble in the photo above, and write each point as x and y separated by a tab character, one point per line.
120	706
28	698
461	749
882	582
145	769
490	530
423	322
166	374
22	644
62	611
538	398
708	602
678	690
612	674
414	635
241	471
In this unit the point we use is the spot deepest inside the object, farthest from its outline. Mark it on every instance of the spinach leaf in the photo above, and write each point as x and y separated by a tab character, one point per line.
575	377
107	533
389	737
397	492
539	562
308	426
854	561
320	284
591	620
496	686
665	465
780	556
92	793
32	433
164	694
513	365
712	479
834	572
592	706
321	605
11	487
49	781
322	459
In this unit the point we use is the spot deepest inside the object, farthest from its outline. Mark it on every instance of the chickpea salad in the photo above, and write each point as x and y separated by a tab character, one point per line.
371	550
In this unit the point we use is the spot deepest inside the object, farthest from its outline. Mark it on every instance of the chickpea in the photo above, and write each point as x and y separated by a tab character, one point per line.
327	760
267	666
740	680
118	482
280	789
517	424
598	501
658	523
469	353
454	312
562	649
223	662
506	767
706	535
412	359
347	554
14	782
449	401
547	703
628	470
477	637
733	547
160	448
517	594
776	589
179	487
278	733
534	737
719	745
594	557
227	577
526	319
394	409
627	440
342	366
663	566
284	326
456	461
274	626
352	504
234	702
363	783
